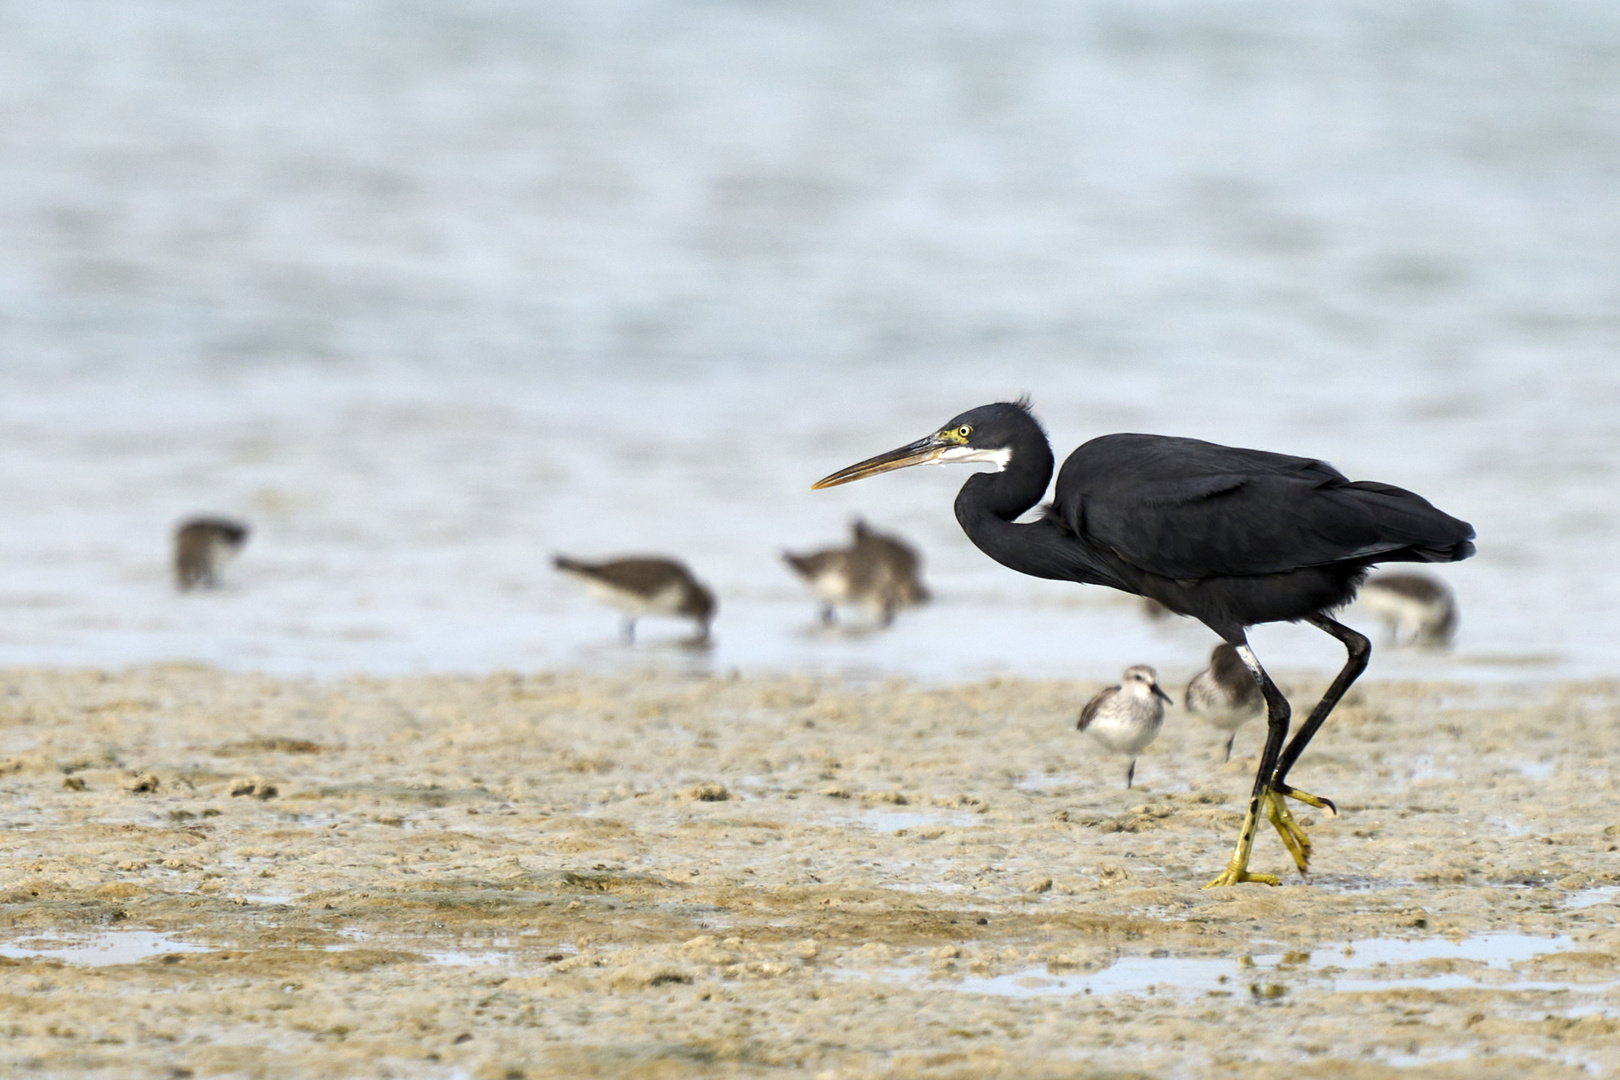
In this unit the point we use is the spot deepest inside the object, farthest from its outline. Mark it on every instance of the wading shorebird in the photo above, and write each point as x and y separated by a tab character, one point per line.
1417	609
1225	695
1231	537
1125	718
645	586
202	547
879	572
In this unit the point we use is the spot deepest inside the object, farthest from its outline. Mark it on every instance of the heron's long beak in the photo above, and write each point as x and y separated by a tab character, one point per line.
918	453
1159	693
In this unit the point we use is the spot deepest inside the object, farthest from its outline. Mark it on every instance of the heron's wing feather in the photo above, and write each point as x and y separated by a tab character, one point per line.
1189	510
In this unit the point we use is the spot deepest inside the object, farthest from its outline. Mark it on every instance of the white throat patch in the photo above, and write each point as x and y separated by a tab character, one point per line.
957	455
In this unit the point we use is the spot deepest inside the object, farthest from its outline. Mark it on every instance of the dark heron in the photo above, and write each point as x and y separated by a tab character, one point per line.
645	586
1127	717
1230	537
879	572
202	546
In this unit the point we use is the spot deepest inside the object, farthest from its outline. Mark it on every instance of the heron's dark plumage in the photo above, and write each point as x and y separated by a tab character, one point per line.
1230	536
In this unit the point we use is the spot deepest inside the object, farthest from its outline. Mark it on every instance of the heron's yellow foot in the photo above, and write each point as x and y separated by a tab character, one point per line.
1293	837
1237	871
1325	805
1237	875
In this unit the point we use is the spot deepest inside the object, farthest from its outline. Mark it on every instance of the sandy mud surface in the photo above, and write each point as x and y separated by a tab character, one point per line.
225	875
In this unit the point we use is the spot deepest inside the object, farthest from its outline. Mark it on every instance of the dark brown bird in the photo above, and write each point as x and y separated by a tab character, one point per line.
645	586
202	547
1416	608
877	571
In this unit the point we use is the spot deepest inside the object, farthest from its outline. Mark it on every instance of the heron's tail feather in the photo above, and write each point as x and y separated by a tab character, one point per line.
1416	530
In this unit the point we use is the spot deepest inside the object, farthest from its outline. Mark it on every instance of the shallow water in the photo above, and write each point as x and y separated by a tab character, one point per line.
1341	967
429	292
101	950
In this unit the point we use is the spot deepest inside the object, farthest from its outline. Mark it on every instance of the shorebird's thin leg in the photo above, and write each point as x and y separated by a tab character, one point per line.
1130	774
1237	871
828	616
627	630
1230	739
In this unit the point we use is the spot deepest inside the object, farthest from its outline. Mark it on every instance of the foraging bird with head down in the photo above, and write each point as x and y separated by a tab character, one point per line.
202	547
1228	536
1416	609
877	571
1224	694
1127	717
647	585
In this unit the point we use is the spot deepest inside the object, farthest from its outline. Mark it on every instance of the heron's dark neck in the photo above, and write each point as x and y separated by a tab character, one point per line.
989	502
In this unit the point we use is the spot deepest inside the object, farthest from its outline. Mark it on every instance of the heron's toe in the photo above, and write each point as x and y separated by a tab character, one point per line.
1237	875
1324	805
1293	837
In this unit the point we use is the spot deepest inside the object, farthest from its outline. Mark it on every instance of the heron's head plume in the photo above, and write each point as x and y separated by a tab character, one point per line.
989	434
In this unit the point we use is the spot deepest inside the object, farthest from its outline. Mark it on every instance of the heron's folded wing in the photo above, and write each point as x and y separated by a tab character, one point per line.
1189	510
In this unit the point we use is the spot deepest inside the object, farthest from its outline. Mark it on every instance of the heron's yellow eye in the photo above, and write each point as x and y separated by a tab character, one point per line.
965	430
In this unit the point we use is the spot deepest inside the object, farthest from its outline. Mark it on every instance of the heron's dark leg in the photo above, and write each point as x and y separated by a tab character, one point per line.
1237	871
1130	774
1359	649
1293	837
1230	739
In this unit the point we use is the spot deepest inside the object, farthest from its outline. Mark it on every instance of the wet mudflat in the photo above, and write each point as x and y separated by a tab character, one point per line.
229	875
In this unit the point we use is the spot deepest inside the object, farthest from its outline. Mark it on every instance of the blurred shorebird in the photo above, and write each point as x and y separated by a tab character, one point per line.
877	571
1127	717
645	586
1229	536
1155	611
1225	695
202	547
1416	608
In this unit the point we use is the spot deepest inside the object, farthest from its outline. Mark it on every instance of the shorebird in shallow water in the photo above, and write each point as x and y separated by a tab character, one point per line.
1125	718
645	586
1229	536
1417	609
202	547
1225	695
877	571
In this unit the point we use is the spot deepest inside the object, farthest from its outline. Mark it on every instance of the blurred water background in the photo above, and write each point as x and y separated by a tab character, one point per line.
427	291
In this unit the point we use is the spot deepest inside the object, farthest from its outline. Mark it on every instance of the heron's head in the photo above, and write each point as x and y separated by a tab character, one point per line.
990	434
1143	678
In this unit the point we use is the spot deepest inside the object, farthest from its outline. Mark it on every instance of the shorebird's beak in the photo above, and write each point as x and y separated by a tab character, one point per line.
918	453
1159	693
